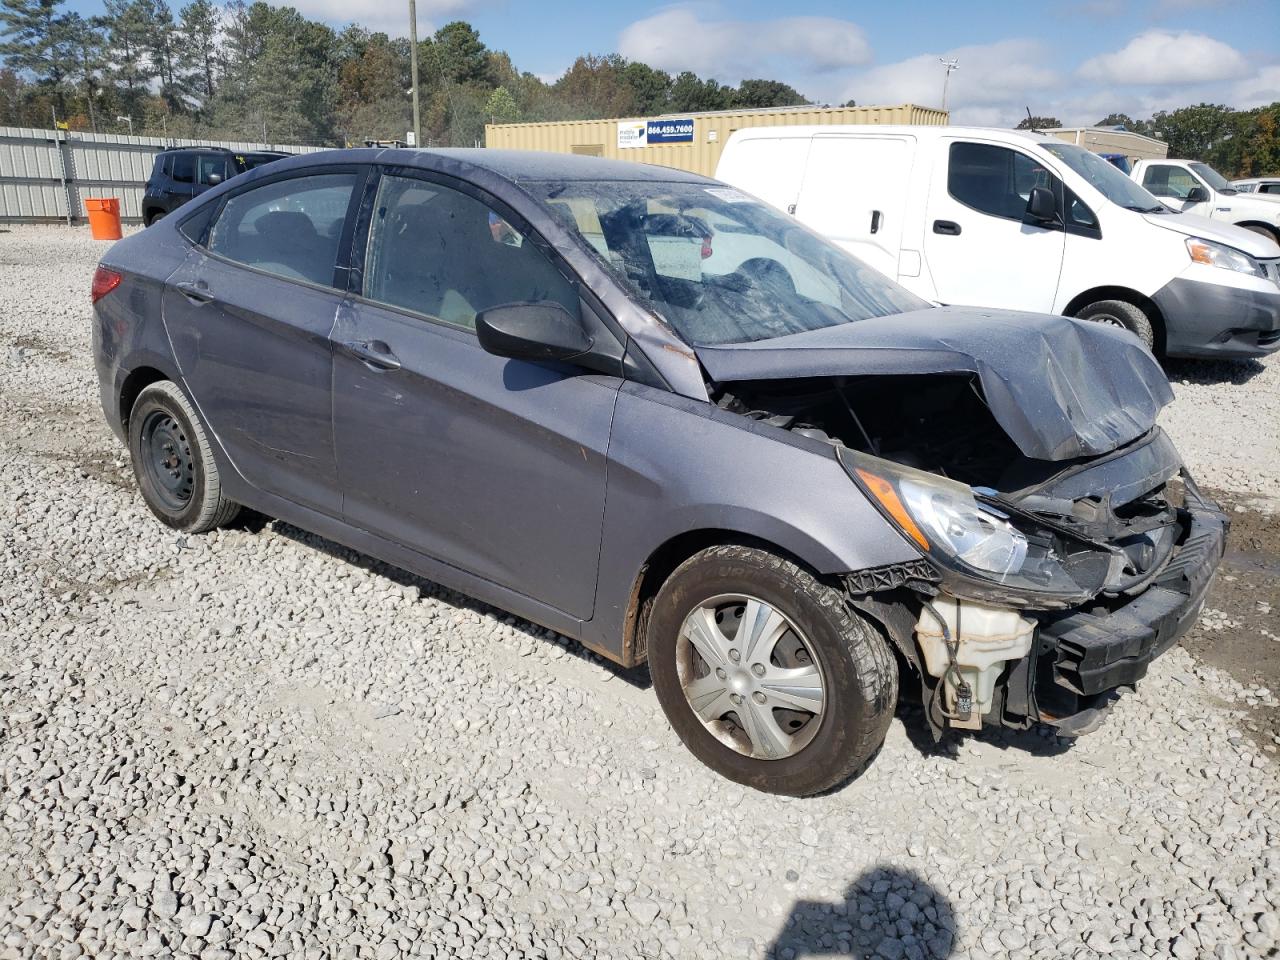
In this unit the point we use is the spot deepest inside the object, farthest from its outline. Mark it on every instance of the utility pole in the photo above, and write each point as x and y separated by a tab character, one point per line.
413	70
946	77
128	120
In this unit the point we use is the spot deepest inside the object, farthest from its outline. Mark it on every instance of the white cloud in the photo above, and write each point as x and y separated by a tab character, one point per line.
989	75
1259	90
381	15
1165	58
678	38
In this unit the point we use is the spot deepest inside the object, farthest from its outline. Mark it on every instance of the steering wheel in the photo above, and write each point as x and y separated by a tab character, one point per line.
768	274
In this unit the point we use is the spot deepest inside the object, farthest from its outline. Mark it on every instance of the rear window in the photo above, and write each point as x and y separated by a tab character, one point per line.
290	228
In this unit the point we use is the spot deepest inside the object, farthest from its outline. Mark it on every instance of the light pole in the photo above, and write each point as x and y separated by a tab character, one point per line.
413	70
946	77
129	121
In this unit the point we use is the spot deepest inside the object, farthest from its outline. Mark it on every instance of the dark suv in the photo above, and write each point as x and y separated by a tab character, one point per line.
185	172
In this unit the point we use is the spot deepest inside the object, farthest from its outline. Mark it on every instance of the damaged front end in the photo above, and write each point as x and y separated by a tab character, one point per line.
1055	566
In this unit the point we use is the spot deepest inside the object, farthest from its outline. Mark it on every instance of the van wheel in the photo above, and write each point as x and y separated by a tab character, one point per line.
766	674
1118	313
173	462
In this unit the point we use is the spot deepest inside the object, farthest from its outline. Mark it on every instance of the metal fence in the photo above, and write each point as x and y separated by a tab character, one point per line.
46	175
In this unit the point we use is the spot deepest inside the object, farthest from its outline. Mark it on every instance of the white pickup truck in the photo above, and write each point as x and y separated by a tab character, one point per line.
1189	186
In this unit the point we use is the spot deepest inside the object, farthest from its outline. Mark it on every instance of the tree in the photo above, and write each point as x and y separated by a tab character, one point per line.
501	107
752	94
372	80
689	94
129	67
1124	120
458	55
1196	133
597	87
37	42
161	43
199	54
1038	123
1260	143
650	88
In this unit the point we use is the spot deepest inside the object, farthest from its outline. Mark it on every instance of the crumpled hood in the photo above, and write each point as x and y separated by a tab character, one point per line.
1060	388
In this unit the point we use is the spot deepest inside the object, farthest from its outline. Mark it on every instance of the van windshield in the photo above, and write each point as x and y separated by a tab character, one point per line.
718	265
1105	178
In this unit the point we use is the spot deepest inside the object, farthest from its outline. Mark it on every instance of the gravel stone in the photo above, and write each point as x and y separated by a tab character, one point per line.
257	743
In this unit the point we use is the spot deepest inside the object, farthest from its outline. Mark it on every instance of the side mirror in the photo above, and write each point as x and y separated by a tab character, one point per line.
1042	205
544	330
214	179
1197	195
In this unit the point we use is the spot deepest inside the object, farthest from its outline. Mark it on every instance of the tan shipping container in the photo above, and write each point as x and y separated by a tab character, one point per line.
599	138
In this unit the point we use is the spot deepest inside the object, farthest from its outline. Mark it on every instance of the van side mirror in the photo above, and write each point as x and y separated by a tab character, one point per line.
214	179
1042	205
543	330
1197	195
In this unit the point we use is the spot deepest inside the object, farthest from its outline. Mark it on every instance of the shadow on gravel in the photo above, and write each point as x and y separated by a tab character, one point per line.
1213	372
887	913
255	522
1031	741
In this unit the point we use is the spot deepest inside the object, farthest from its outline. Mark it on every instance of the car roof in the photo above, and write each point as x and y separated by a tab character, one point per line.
516	166
194	150
920	131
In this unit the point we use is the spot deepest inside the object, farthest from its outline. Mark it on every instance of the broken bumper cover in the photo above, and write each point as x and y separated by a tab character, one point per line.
1081	658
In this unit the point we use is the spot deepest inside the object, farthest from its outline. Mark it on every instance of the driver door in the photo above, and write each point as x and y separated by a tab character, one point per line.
1173	185
493	466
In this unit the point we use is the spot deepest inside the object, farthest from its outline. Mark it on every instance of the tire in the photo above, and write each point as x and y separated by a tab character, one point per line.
173	462
1263	230
856	672
153	217
1118	313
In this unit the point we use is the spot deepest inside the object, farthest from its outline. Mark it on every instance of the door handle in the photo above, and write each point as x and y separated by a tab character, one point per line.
197	293
374	353
948	228
875	221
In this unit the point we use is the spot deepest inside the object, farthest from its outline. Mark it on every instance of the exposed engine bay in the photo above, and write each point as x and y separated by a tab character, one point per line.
1031	617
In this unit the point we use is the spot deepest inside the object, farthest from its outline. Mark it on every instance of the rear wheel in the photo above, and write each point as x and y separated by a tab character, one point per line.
153	216
1119	313
766	673
173	462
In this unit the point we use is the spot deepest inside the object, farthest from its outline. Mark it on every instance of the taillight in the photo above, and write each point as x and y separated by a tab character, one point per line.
104	281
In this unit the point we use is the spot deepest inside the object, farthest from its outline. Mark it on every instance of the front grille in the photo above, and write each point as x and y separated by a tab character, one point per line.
1273	270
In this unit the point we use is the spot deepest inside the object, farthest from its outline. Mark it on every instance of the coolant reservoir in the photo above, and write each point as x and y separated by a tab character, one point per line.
988	637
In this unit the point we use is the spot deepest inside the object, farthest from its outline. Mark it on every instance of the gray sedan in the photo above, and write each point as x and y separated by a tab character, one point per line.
643	409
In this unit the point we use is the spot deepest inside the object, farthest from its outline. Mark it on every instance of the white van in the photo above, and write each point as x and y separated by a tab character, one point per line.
1002	218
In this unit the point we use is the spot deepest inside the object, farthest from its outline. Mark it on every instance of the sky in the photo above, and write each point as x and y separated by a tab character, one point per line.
1076	60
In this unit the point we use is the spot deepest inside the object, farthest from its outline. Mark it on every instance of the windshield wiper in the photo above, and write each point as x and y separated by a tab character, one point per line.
1157	209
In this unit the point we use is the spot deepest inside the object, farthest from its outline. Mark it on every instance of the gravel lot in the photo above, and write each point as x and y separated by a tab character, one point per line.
259	744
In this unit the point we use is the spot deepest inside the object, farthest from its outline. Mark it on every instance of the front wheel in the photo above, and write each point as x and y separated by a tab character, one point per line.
173	461
1118	313
766	674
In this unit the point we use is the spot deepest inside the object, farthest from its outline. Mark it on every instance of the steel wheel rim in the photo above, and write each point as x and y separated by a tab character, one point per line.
167	460
1109	320
750	676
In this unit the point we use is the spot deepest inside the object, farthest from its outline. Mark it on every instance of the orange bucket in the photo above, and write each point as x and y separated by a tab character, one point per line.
104	217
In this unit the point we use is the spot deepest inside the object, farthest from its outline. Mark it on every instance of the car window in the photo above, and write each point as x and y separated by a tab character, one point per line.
210	163
1269	188
1078	212
184	168
715	263
290	228
993	179
441	253
1165	180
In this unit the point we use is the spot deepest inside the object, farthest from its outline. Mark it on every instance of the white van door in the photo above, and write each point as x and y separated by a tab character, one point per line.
855	193
767	167
980	247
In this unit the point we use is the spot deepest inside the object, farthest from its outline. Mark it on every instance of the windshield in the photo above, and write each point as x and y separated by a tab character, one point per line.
1105	178
717	265
1212	177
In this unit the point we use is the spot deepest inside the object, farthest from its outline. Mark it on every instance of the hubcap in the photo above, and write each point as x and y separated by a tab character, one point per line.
167	460
750	676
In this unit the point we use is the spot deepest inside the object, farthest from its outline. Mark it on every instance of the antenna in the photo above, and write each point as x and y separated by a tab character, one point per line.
952	64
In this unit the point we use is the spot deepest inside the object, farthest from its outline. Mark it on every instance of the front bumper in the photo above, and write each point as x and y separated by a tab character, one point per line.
1215	320
1079	659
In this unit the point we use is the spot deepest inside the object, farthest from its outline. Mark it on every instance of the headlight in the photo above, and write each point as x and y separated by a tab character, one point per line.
1218	255
970	542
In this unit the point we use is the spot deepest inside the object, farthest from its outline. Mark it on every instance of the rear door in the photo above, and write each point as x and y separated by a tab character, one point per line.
855	193
181	168
249	315
493	466
980	247
770	168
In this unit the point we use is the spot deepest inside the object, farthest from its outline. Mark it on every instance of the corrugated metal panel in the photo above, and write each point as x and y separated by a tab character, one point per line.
710	131
96	165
